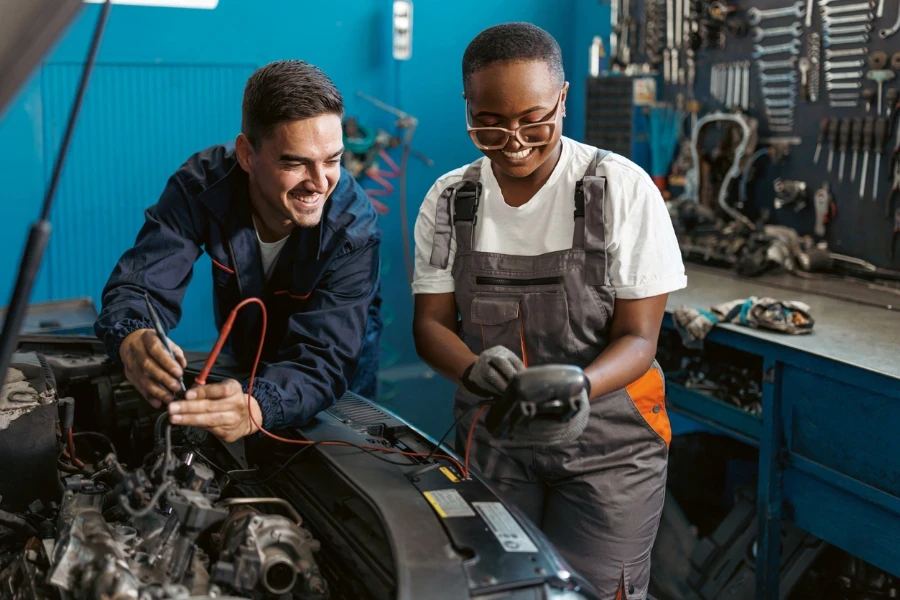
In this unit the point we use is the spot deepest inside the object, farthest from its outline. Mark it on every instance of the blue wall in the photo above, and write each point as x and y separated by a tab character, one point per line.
168	82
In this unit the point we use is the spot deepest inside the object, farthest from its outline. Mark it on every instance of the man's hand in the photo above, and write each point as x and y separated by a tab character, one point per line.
219	408
149	367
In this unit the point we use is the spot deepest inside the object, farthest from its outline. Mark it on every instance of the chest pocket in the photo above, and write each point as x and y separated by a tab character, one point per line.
497	321
534	325
225	283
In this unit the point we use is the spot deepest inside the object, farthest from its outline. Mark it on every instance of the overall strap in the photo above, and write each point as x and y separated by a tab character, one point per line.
462	198
590	232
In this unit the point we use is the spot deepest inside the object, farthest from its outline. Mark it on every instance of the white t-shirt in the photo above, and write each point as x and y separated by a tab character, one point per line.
642	252
269	251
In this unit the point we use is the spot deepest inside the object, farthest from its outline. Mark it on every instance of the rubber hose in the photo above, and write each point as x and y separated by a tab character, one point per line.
49	377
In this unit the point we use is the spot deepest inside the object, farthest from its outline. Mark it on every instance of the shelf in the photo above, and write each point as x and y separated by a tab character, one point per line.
714	413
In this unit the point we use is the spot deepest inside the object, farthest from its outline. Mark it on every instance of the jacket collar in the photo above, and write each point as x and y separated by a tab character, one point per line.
228	201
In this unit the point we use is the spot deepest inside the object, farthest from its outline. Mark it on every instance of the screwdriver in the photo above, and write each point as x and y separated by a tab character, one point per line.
868	140
161	333
823	131
890	98
881	138
857	145
845	140
868	96
833	130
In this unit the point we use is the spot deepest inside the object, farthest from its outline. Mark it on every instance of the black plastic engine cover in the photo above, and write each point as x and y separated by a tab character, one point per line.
29	447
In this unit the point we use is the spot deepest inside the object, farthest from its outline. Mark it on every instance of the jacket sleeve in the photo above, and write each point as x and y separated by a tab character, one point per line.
160	263
323	343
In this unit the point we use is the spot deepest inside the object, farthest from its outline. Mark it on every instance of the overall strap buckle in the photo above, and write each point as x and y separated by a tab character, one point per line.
579	198
465	201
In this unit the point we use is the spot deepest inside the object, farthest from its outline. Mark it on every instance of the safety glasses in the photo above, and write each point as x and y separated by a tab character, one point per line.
529	136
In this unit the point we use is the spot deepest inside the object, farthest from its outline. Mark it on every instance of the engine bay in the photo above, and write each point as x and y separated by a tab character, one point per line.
101	498
150	525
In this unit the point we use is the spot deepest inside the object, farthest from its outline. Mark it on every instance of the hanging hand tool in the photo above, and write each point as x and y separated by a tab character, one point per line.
855	29
896	234
880	76
856	136
804	79
814	49
679	36
745	95
829	11
844	143
823	131
890	99
868	143
882	133
833	130
895	187
824	207
830	54
756	16
877	60
670	25
868	96
886	33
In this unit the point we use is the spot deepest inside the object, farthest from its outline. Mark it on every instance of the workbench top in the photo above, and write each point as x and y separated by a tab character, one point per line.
866	337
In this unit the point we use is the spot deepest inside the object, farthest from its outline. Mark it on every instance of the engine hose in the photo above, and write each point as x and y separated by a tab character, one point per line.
16	523
49	377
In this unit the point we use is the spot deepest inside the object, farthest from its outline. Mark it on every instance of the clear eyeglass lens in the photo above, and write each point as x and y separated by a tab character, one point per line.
538	133
491	137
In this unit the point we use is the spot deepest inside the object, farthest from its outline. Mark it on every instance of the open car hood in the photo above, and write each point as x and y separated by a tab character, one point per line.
28	29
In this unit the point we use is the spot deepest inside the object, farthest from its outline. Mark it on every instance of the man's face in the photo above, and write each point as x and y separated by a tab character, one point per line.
510	95
294	170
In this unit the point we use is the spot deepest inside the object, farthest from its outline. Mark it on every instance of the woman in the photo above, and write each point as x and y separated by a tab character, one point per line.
541	274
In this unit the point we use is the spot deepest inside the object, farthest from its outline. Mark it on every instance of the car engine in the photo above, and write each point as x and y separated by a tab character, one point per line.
162	528
101	498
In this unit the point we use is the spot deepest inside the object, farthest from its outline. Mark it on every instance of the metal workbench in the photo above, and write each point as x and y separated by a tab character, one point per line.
829	458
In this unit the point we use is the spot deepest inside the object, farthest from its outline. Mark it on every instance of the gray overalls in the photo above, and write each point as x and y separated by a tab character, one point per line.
598	499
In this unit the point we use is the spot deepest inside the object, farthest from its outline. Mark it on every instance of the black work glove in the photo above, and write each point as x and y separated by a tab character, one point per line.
490	373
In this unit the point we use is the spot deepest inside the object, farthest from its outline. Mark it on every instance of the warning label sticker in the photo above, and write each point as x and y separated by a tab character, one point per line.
449	474
448	503
504	526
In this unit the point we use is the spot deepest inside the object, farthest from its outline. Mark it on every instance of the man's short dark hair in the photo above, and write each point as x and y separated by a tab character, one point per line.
284	91
516	42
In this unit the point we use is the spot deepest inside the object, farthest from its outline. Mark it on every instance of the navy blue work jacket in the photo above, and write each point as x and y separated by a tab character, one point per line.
318	300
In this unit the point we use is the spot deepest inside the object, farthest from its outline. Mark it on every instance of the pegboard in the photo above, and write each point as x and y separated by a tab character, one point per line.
860	227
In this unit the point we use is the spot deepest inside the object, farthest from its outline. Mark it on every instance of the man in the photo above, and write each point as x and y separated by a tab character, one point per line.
542	274
281	221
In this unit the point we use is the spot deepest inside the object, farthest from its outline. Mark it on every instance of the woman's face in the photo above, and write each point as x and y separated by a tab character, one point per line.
511	95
